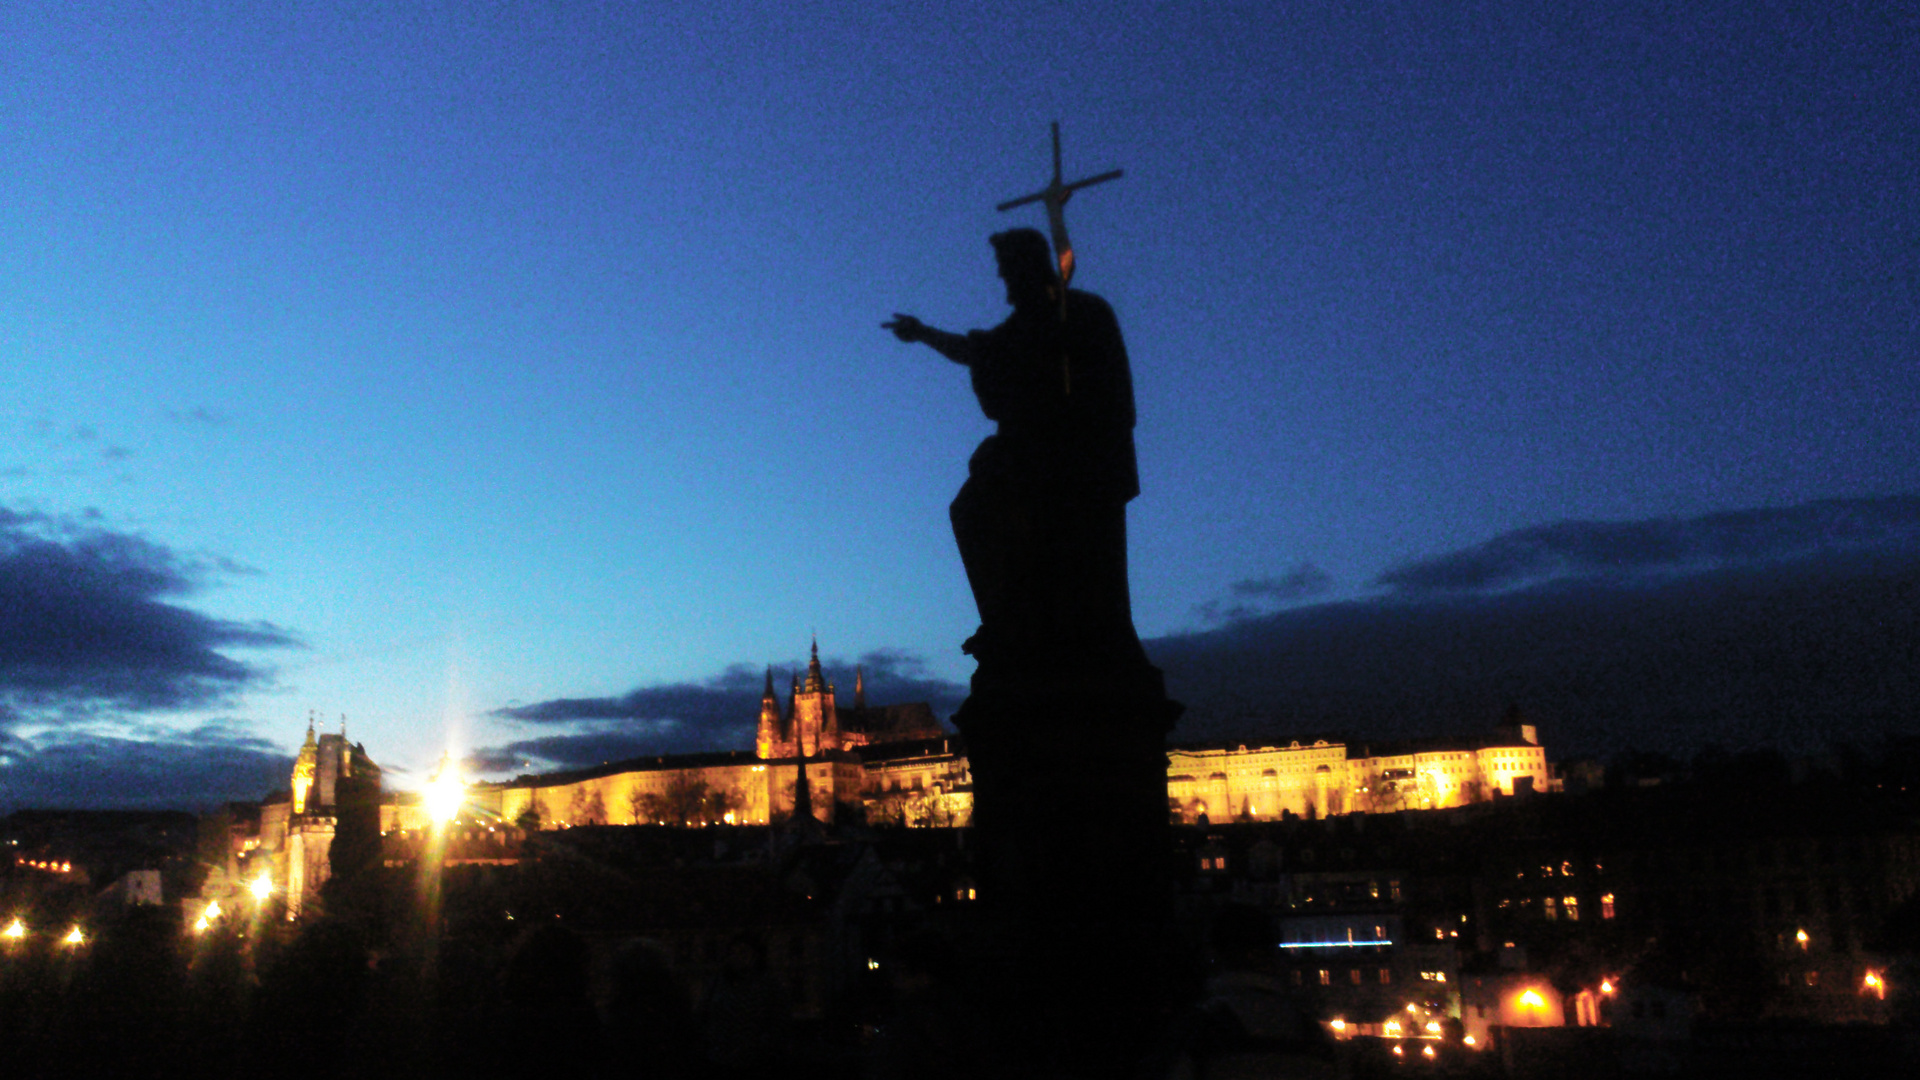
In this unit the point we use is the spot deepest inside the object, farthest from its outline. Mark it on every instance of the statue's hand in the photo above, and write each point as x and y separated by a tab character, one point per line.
906	328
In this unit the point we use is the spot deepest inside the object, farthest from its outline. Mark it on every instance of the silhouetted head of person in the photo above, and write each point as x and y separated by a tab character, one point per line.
640	976
746	955
548	967
1242	937
1026	265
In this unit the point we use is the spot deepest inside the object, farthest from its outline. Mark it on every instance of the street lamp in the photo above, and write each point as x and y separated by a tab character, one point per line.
445	793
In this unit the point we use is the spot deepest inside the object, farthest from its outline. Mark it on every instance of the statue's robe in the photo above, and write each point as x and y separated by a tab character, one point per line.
1041	521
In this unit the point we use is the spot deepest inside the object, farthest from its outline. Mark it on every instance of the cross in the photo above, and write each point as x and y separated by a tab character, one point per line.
1055	196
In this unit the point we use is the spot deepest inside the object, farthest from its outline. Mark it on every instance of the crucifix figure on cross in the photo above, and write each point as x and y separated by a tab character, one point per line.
1041	521
1055	196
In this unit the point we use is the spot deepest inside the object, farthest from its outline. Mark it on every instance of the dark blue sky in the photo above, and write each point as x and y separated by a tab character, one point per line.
423	363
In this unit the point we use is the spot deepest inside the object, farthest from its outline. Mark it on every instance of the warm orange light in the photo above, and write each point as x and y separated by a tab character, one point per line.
15	930
1801	937
1397	1051
1471	1041
1392	1027
262	886
74	937
1433	1027
1875	985
1427	1050
1410	1007
1532	1000
1606	986
1341	1025
444	795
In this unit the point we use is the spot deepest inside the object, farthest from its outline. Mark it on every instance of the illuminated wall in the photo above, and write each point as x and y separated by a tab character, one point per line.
1261	783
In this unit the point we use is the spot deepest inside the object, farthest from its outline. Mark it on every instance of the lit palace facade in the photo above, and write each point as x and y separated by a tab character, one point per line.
1324	777
898	767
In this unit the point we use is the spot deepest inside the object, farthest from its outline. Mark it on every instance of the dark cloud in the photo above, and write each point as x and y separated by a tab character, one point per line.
1261	596
1797	633
717	700
191	770
200	415
87	621
717	713
1604	549
894	677
891	675
589	748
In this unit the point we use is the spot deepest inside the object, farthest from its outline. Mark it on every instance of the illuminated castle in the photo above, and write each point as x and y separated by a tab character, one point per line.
297	827
1321	777
895	764
893	761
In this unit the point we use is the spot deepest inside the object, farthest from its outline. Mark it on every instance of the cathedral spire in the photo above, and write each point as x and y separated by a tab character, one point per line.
816	682
859	688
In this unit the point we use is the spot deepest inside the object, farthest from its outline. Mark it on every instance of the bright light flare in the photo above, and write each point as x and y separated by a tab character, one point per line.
444	796
1606	986
1427	1050
1471	1041
74	937
1338	1025
15	930
1532	1000
262	886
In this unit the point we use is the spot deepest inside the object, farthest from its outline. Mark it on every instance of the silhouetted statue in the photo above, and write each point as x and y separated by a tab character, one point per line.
1041	520
1066	723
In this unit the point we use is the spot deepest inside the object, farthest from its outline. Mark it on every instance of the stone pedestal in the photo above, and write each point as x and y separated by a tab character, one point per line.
1072	842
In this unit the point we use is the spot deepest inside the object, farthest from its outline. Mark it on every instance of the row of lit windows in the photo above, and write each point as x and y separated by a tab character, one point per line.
1355	976
1567	906
1567	868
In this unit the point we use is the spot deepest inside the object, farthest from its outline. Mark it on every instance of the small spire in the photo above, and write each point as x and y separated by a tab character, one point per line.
816	682
859	688
768	695
310	713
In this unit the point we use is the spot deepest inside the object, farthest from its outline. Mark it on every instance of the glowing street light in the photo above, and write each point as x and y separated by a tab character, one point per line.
1801	937
262	886
74	937
1875	985
1532	1000
15	930
445	793
1606	986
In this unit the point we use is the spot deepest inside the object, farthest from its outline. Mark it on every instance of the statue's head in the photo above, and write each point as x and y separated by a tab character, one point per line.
1026	265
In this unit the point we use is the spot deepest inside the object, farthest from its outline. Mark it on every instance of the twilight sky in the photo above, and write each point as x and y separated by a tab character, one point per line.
513	377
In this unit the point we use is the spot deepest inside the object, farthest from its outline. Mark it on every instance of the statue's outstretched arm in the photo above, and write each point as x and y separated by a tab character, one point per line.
958	348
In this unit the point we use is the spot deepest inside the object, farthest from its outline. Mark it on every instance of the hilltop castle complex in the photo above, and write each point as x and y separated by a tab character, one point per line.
896	764
891	764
